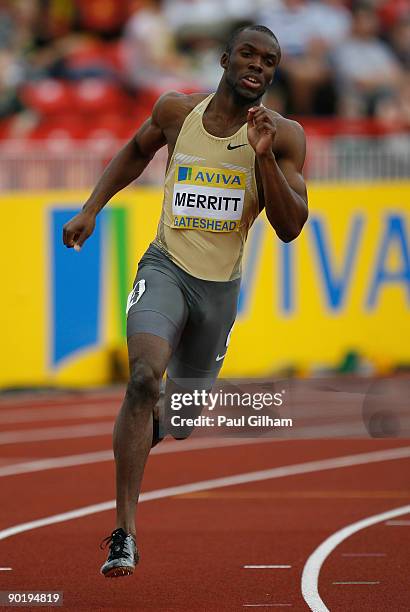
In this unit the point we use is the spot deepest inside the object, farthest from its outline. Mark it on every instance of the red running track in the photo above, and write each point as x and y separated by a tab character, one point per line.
195	545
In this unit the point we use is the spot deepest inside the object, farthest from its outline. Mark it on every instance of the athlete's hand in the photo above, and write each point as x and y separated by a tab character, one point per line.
78	229
261	129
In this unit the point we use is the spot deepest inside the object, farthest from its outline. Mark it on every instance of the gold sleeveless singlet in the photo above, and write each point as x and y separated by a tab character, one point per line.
210	200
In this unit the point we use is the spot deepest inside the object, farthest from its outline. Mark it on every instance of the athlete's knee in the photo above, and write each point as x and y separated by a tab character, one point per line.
143	386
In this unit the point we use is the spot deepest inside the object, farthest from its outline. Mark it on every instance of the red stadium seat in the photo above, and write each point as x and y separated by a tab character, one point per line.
60	134
111	122
48	96
98	96
102	139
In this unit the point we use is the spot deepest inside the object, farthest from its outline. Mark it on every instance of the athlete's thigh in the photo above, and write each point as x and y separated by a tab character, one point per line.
149	351
205	338
156	307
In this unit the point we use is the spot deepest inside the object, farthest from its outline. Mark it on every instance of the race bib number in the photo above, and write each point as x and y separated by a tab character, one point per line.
209	199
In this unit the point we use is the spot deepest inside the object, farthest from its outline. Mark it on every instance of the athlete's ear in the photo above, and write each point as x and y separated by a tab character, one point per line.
224	60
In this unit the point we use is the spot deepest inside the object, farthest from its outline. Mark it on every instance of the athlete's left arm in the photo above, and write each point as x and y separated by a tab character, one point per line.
280	162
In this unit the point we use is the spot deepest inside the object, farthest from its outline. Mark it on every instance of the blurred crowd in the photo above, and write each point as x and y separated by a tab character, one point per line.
342	58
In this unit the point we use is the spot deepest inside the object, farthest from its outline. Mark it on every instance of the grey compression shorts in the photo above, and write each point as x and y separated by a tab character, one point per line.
195	316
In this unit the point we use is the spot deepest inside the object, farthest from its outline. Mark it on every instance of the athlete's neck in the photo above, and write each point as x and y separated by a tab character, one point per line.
229	106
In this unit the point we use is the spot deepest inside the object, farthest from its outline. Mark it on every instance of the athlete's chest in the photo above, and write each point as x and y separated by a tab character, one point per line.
217	127
213	126
210	180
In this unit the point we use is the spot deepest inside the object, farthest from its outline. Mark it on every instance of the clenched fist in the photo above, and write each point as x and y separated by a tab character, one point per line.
261	129
78	229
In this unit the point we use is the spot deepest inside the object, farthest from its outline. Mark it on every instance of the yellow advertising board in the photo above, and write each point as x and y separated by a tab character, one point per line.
343	285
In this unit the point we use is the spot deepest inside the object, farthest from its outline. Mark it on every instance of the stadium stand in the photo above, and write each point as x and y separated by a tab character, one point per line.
75	77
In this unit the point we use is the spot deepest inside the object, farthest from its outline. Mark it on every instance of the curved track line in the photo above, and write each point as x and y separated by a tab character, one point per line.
218	483
311	570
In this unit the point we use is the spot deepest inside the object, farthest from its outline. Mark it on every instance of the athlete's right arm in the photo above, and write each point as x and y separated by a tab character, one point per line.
125	167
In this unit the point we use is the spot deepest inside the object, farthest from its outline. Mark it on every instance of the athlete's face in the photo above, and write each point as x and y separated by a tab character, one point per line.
250	67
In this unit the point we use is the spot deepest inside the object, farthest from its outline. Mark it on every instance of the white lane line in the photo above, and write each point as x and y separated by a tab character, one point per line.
56	433
6	569
217	483
100	429
355	429
363	554
358	582
39	465
77	411
32	400
83	410
267	566
311	570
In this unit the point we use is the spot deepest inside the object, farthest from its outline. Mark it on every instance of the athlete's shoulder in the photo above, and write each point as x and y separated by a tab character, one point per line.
173	107
290	135
285	125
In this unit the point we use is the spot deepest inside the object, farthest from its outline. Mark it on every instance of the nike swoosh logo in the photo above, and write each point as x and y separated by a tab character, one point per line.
232	147
219	357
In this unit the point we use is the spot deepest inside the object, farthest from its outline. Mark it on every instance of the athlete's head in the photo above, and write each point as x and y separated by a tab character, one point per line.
249	60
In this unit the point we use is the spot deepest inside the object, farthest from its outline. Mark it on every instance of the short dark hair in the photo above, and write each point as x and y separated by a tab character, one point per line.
253	28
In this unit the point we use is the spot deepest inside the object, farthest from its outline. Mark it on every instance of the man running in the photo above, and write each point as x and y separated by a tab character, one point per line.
229	158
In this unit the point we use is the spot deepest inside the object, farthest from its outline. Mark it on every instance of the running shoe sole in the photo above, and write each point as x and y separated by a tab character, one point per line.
117	572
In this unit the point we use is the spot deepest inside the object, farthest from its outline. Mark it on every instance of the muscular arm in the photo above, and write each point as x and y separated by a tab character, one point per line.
129	163
284	188
125	167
